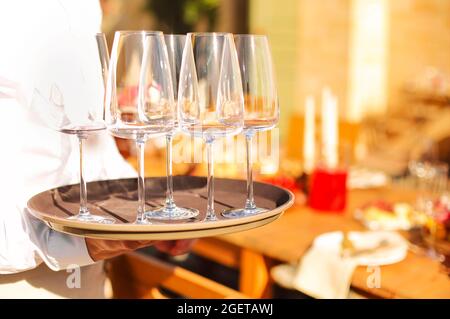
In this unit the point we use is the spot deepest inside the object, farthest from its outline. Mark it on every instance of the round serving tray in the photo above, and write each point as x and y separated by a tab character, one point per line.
118	199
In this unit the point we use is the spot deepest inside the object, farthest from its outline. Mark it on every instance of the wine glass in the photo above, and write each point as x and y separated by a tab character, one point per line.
430	180
210	99
170	211
82	115
261	104
139	95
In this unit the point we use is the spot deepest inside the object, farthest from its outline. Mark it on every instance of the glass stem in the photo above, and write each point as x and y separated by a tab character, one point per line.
170	204
210	214
140	144
250	202
83	190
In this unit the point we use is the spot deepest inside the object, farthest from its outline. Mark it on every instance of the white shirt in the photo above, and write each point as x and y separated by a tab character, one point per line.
38	52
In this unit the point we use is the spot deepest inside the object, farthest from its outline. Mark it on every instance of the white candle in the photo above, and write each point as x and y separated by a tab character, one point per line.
329	128
309	135
333	162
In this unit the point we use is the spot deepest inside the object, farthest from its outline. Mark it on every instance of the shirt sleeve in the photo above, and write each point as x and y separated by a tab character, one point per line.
59	251
39	158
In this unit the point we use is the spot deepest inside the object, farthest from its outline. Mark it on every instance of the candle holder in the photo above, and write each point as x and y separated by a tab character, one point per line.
328	189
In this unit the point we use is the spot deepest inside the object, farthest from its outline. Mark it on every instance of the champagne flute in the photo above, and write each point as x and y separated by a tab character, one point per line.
69	117
170	211
139	95
210	99
261	104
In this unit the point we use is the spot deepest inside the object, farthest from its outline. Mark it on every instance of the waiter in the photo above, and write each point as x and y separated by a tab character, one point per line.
34	258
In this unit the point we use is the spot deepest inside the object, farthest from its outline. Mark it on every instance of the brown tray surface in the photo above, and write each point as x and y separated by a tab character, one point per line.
118	199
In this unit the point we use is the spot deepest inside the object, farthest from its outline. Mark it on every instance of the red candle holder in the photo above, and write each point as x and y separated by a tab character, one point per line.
328	189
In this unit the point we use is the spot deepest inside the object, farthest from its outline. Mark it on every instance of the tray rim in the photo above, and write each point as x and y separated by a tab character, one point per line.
175	235
159	227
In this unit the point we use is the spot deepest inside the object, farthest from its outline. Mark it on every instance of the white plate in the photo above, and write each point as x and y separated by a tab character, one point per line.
361	178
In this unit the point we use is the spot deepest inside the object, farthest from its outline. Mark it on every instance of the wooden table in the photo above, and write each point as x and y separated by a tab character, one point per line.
254	252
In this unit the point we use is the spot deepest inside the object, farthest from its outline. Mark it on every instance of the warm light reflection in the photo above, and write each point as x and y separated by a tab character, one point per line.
368	58
269	167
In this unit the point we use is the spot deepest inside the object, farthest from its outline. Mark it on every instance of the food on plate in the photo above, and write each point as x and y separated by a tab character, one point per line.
382	215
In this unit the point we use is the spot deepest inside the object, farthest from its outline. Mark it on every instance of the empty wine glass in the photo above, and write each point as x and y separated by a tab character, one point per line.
81	115
429	179
261	104
170	211
139	95
210	99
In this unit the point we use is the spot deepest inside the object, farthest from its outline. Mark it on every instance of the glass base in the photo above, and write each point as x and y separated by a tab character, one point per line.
242	212
89	218
210	216
142	222
174	213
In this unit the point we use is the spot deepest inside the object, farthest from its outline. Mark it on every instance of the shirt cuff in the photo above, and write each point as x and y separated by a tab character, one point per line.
59	251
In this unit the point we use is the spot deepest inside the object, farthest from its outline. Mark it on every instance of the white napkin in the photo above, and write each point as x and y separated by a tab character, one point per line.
323	273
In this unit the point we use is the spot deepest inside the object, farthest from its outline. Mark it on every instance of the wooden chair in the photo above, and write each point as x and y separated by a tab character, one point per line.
138	276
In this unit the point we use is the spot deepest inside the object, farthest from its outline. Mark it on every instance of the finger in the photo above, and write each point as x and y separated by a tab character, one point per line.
135	244
165	246
181	247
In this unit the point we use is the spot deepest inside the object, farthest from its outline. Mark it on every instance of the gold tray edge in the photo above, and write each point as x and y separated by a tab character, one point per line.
174	235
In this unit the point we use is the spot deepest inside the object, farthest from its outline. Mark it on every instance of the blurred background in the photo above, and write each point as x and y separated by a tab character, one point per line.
386	61
388	65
